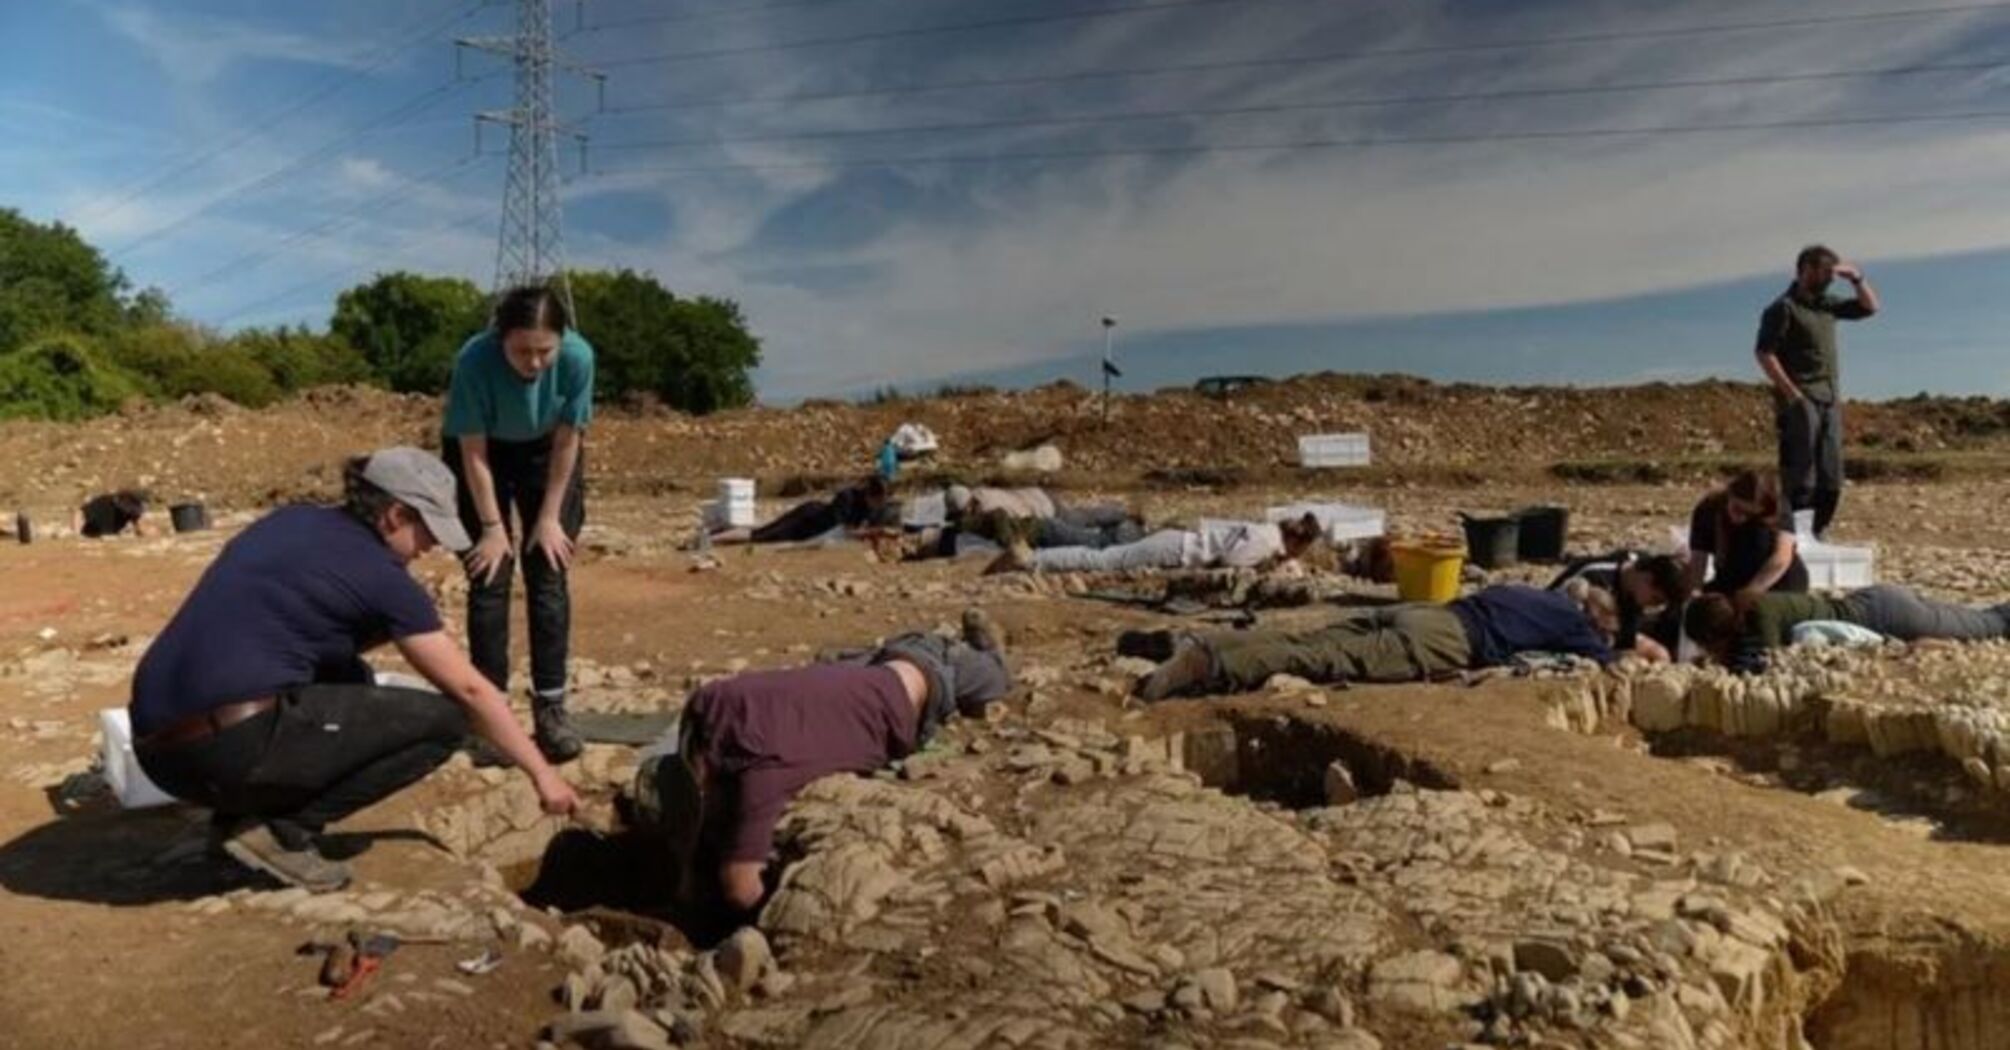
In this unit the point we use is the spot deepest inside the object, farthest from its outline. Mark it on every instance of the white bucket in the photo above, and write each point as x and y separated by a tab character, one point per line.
122	770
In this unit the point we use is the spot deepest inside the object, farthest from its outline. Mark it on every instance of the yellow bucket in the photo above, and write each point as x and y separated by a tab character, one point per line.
1428	570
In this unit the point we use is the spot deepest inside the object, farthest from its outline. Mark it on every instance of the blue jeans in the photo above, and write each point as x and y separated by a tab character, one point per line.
519	469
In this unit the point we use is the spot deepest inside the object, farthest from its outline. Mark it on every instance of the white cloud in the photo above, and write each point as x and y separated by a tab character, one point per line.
1040	251
197	48
365	172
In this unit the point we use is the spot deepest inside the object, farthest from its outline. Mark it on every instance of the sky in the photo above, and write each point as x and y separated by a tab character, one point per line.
908	193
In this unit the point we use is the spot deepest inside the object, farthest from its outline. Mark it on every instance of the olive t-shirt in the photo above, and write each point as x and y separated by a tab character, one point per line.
1800	330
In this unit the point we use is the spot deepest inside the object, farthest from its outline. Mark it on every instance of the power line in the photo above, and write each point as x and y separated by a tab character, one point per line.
1613	36
366	209
918	31
708	15
326	87
1490	95
1313	144
385	121
423	239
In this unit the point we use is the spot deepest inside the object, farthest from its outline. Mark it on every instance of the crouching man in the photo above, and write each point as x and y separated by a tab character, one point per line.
255	701
1396	643
747	744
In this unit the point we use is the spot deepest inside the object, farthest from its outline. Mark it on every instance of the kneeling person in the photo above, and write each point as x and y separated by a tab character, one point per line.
255	701
747	744
1397	643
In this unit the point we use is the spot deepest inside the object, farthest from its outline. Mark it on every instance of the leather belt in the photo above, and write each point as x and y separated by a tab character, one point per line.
206	724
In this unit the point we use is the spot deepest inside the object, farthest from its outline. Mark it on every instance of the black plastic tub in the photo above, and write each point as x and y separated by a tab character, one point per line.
1545	533
189	517
1492	543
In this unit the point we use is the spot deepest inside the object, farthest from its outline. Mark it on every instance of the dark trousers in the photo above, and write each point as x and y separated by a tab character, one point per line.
520	469
804	521
325	752
1397	643
1811	458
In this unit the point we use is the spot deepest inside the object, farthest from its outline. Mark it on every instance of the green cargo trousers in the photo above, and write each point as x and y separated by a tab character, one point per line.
1398	643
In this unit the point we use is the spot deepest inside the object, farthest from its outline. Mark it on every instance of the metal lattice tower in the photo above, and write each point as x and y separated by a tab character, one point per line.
530	246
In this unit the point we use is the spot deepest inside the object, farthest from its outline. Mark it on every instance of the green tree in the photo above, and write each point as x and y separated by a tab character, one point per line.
693	354
179	360
299	359
52	281
408	326
60	377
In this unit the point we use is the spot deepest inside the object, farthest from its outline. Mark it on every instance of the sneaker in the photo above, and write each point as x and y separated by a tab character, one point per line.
222	828
1188	670
255	847
553	731
981	633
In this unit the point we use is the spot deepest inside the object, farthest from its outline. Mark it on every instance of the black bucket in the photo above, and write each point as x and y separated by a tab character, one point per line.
24	530
1492	543
189	517
1545	532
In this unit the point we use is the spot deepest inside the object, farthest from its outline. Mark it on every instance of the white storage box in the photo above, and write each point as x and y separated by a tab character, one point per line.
122	770
730	515
1333	450
1836	568
1342	521
736	490
925	512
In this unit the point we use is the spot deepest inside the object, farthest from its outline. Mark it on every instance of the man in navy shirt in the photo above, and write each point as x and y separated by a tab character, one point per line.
1397	643
255	700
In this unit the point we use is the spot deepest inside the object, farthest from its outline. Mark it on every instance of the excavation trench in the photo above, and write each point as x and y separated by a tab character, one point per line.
1955	997
1292	761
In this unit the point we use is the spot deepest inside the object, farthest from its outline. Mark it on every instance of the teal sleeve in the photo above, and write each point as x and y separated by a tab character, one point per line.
469	409
576	399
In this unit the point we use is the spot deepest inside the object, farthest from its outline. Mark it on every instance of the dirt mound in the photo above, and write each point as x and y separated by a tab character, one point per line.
213	450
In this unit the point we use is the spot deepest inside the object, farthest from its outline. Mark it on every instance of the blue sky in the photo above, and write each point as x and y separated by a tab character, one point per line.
1458	236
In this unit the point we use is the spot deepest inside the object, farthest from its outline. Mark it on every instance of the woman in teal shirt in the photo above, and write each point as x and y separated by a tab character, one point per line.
517	410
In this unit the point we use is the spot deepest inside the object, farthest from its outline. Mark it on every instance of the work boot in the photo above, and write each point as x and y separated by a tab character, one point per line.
981	633
553	731
255	847
1188	670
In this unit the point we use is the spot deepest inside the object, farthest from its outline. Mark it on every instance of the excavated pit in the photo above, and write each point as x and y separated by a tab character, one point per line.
1957	998
1291	761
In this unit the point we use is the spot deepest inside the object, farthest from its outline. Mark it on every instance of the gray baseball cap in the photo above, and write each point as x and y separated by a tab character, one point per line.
417	479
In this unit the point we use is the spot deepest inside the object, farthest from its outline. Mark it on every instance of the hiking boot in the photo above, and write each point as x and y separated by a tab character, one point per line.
255	847
553	731
1188	670
981	633
1156	646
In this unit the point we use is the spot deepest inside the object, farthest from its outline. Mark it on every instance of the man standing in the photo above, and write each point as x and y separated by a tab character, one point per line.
1797	351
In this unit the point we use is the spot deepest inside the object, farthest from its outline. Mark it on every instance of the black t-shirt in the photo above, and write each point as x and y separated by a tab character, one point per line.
1603	572
1745	552
110	514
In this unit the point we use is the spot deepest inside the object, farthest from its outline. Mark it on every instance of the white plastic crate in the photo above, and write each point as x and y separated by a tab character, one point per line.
736	490
122	769
1342	521
730	515
1333	450
1837	568
930	511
